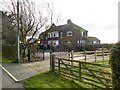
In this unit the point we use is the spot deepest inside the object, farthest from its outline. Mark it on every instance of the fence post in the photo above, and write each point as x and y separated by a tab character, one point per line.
72	54
43	55
72	59
95	55
80	71
108	54
59	66
52	64
85	56
50	52
69	56
103	53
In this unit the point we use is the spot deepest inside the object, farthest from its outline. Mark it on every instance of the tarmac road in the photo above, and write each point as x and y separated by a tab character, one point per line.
8	83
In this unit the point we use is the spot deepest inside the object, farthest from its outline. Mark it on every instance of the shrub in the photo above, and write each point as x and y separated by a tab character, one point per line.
9	51
115	65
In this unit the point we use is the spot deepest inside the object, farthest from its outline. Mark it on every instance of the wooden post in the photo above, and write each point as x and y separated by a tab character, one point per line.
69	56
72	54
58	66
95	55
52	64
43	55
108	54
72	59
103	53
50	52
85	56
80	71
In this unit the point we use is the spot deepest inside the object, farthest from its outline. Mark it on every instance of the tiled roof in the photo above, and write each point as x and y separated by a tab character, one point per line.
71	26
67	26
90	38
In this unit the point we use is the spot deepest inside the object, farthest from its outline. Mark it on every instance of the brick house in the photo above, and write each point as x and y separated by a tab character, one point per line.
68	36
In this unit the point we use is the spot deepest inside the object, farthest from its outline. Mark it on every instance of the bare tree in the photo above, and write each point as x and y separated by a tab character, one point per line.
52	17
31	22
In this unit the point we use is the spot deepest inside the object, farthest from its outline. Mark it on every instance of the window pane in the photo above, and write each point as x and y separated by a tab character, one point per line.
69	33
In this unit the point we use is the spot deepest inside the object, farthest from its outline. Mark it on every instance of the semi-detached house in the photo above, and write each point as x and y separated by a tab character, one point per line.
69	35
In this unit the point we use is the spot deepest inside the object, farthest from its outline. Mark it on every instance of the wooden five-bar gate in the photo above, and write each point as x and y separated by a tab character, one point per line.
95	75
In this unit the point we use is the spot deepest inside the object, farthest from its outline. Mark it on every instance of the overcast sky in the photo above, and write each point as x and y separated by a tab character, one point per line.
99	17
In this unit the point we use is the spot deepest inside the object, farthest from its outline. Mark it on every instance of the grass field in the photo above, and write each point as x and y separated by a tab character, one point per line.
53	80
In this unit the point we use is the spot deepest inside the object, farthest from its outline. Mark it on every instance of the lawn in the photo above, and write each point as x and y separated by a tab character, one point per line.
53	80
49	80
106	62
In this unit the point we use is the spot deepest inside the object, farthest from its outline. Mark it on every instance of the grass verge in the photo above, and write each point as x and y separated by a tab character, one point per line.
49	80
53	80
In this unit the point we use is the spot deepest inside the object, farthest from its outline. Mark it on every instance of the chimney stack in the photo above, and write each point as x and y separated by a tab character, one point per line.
69	21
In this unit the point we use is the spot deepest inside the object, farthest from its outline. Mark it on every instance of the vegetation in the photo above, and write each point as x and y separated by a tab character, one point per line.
49	80
95	75
93	47
115	65
53	80
105	62
6	60
9	51
30	25
9	35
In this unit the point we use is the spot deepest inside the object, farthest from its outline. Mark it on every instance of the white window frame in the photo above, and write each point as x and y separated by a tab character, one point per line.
94	42
69	33
53	41
54	34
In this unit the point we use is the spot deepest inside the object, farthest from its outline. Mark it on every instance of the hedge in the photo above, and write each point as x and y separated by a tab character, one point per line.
115	65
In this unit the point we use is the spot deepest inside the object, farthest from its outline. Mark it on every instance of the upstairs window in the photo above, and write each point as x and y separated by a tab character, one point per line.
94	42
53	34
69	33
56	34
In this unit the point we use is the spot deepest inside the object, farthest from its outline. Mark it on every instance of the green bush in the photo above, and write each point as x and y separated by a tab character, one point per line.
115	65
9	51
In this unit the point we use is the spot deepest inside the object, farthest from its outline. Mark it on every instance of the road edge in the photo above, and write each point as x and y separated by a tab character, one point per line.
16	80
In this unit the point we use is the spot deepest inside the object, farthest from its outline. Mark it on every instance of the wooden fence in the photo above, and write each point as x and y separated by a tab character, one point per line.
93	74
86	56
62	54
37	55
90	55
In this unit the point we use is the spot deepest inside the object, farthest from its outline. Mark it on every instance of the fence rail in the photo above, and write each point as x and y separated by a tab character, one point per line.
89	56
87	72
